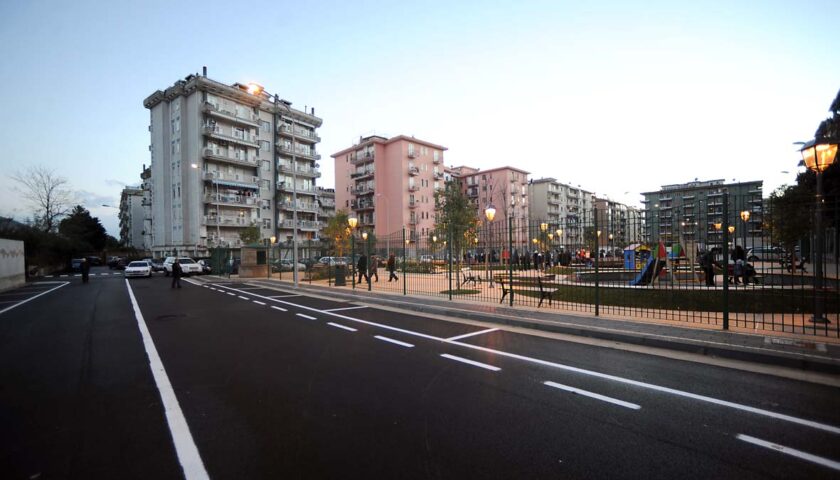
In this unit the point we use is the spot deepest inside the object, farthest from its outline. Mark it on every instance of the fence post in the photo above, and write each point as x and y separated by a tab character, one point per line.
369	264
510	259
597	258
352	265
725	231
449	254
405	247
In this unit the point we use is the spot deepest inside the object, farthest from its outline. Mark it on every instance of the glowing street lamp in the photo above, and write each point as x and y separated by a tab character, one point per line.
489	214
745	216
352	221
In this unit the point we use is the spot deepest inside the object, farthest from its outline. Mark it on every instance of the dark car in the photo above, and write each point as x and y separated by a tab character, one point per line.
113	261
94	261
76	264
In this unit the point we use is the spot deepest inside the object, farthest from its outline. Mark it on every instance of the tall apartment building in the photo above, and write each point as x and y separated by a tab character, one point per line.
689	211
564	207
326	203
506	188
131	217
146	185
390	184
620	224
226	157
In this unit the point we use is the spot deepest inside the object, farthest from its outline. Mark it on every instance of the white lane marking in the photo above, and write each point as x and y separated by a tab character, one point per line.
305	316
472	334
345	308
32	298
251	288
185	448
396	342
77	275
258	302
279	308
278	296
229	293
471	362
338	325
596	396
194	282
244	298
672	391
213	288
790	451
64	276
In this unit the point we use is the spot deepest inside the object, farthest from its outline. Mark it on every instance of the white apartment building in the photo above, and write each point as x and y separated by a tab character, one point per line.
227	157
131	217
564	207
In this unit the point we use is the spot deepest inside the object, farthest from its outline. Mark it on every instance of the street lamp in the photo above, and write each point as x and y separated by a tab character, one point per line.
489	214
365	238
559	233
352	222
745	216
818	155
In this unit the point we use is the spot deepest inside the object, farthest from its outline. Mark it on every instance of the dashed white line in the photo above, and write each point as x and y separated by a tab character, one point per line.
472	334
345	308
790	451
229	293
185	448
77	275
470	362
338	325
213	288
279	308
63	276
258	302
244	298
305	316
391	340
32	298
284	296
596	396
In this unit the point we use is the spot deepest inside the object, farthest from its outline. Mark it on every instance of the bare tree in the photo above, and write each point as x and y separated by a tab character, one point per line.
48	194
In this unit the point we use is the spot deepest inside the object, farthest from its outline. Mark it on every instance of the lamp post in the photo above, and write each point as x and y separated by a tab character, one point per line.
489	214
818	155
365	238
559	233
352	222
745	216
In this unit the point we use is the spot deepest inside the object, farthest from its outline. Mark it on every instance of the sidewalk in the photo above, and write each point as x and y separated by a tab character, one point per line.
818	354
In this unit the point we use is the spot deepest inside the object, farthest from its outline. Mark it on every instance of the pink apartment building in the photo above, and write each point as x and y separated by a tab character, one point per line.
390	184
506	188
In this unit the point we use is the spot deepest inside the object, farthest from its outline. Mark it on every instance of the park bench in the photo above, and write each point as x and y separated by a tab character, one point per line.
467	275
527	284
545	292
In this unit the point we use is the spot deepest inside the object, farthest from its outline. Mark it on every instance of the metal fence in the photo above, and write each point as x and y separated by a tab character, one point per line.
715	265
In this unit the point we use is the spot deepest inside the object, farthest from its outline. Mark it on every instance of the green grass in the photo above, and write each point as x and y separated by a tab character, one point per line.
460	292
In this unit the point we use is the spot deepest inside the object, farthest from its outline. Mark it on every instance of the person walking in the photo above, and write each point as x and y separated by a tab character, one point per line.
361	266
176	274
708	265
85	267
392	268
373	268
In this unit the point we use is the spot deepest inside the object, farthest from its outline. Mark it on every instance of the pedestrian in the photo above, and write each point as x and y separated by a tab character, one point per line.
392	268
373	268
85	267
708	265
361	266
176	274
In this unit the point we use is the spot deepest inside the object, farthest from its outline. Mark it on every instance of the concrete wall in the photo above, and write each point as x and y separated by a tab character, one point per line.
12	273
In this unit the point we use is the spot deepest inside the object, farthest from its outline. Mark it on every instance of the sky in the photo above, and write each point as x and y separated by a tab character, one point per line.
618	97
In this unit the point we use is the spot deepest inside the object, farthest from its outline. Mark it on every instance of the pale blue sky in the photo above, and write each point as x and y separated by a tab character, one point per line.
614	96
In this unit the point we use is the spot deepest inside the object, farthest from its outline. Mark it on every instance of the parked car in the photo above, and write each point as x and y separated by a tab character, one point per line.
188	266
333	261
766	254
156	263
76	265
205	266
139	268
426	259
286	266
94	261
113	262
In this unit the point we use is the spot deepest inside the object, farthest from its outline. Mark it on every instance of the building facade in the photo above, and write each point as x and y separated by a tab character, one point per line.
620	225
146	185
567	209
132	217
505	188
389	184
326	204
691	211
225	158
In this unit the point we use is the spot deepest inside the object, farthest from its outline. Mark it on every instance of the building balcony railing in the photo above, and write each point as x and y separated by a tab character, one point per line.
299	133
301	170
298	152
250	181
438	175
252	120
238	200
248	140
360	158
284	187
412	221
363	190
437	161
413	171
412	154
363	205
327	203
363	174
412	204
302	224
413	188
301	206
218	156
226	221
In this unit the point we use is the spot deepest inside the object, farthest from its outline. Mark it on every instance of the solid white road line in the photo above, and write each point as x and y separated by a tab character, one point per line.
471	362
472	334
396	342
185	448
305	316
790	451
32	298
258	302
658	388
194	282
336	325
596	396
345	308
279	296
279	308
244	298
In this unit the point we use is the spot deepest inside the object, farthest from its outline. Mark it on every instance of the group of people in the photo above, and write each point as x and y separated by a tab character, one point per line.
370	269
742	271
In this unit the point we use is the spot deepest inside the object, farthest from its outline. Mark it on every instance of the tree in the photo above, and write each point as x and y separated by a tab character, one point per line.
787	220
48	194
454	215
338	232
250	234
85	231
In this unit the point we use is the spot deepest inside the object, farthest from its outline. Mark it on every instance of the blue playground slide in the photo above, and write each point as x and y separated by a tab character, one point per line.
643	278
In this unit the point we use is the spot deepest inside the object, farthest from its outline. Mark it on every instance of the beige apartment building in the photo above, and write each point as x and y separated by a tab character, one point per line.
390	183
564	207
131	217
226	157
620	225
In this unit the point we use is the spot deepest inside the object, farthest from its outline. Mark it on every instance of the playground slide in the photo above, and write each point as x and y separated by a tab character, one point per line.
643	278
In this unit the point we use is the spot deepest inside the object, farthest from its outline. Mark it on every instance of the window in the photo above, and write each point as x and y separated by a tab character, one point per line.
265	126
265	146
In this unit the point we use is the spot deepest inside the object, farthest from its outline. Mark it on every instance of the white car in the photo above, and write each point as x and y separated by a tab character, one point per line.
188	266
138	269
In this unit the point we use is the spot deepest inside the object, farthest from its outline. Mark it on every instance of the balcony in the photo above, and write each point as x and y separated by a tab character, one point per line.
301	206
297	152
412	221
233	179
438	175
437	160
305	171
413	188
218	156
362	157
302	224
298	133
215	131
251	120
283	187
226	221
368	172
413	171
412	204
412	154
364	205
237	200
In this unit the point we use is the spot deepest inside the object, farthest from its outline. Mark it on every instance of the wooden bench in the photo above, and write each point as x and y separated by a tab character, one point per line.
545	292
467	275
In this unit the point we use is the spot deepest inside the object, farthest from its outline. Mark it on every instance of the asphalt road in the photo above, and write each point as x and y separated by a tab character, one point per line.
272	384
